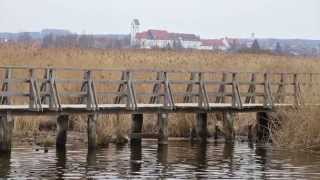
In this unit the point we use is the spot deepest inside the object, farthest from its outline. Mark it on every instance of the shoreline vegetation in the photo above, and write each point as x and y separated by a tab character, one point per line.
299	128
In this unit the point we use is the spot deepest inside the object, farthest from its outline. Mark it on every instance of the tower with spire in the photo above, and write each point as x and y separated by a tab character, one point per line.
134	30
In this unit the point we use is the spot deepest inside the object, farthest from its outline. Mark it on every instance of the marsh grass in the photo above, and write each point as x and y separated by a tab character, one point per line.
299	129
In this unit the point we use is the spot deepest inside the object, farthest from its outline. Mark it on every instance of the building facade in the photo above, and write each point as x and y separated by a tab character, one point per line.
154	38
163	39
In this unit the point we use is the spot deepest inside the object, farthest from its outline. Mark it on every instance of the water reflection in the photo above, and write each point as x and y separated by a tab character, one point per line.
228	151
92	158
201	154
60	162
201	159
162	154
5	164
135	158
261	158
179	159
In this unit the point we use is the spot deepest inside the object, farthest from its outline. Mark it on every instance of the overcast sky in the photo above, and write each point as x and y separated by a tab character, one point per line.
208	18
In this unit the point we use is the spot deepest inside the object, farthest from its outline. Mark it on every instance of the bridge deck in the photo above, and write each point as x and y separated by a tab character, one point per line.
141	108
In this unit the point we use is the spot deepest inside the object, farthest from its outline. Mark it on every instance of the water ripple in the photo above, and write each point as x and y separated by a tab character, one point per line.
180	159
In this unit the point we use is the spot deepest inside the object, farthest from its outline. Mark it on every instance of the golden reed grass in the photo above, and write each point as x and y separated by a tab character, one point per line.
179	124
299	129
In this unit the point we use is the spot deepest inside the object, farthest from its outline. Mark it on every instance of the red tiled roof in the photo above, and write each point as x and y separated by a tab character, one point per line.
142	35
165	35
185	37
154	34
159	34
212	42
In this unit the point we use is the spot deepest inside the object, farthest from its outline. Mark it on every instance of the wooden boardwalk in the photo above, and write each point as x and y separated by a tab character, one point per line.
48	90
64	91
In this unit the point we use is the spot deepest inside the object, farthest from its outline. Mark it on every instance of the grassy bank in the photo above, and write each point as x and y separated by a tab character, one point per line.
179	124
300	129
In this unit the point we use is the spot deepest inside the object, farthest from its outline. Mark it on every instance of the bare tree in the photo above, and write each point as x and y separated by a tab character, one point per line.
48	41
24	37
86	41
278	49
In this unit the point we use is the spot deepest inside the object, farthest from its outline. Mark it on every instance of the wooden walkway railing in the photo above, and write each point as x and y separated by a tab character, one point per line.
33	89
62	91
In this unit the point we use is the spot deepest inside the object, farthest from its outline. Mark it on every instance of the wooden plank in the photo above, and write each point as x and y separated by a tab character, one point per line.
131	97
236	98
121	88
203	95
169	102
155	98
193	80
297	90
221	98
252	89
13	81
6	87
54	97
281	92
34	97
90	92
44	87
267	90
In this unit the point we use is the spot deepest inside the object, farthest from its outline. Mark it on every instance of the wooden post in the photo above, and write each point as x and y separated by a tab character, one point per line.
136	128
250	135
54	99
228	129
6	126
6	87
222	87
163	128
267	92
297	90
281	94
92	130
62	127
251	98
216	131
34	97
262	126
201	126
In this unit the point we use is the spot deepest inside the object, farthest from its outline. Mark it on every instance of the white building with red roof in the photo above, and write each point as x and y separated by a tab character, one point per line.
153	38
163	39
222	44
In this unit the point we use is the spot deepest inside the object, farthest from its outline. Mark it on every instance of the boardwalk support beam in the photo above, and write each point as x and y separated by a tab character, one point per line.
201	126
136	128
92	130
6	126
163	128
263	130
228	129
62	127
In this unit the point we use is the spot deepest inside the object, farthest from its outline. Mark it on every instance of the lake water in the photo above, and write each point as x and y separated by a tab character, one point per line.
180	159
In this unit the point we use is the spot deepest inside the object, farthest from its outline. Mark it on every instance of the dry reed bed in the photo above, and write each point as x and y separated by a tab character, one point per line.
179	124
299	129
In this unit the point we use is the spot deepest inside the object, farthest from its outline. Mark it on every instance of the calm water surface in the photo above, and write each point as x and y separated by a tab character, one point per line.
180	159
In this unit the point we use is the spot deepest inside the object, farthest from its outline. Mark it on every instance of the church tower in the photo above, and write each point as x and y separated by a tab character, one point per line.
134	30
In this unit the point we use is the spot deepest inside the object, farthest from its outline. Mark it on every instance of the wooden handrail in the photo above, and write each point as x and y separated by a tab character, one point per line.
48	87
